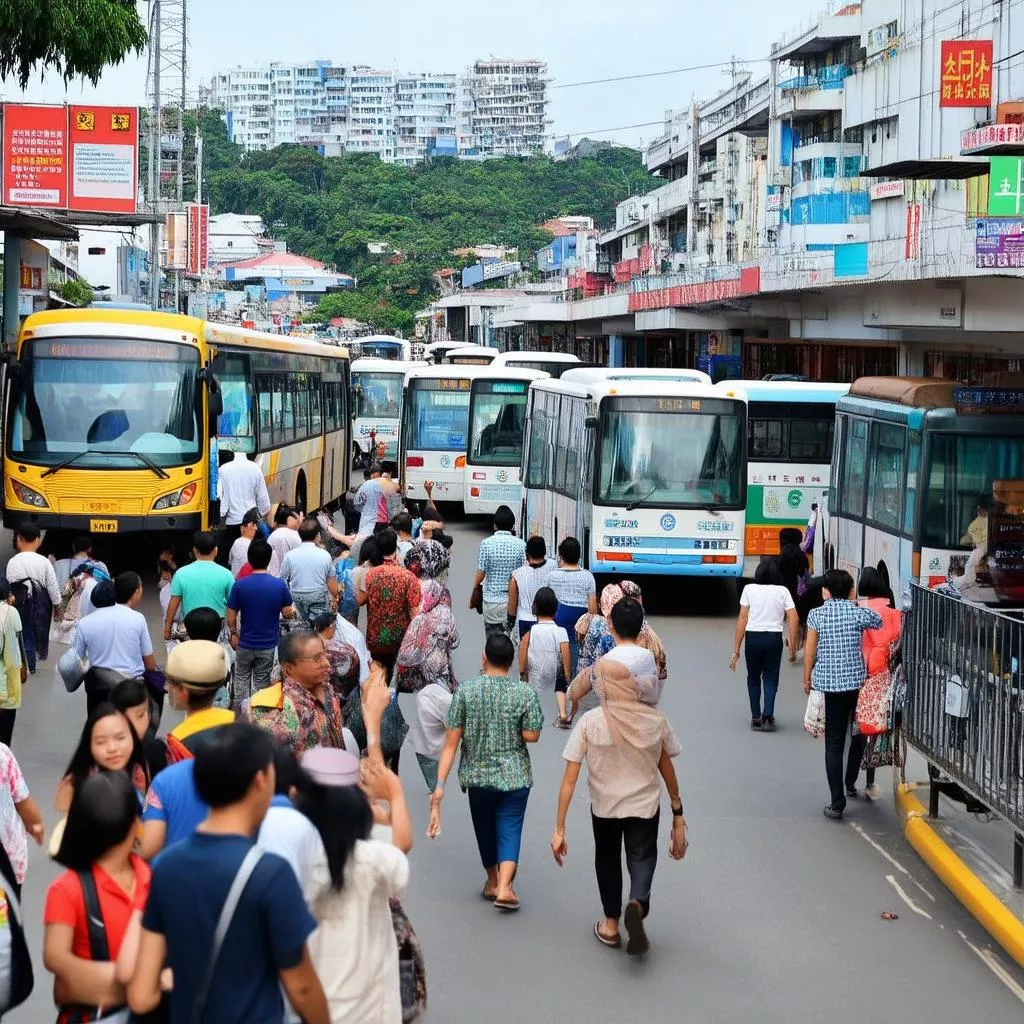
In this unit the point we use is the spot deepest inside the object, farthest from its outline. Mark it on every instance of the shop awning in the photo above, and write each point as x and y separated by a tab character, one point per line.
928	170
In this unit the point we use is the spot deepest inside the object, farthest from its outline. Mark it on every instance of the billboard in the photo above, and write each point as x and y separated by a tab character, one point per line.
198	238
35	156
176	241
82	158
104	159
966	73
1005	186
999	243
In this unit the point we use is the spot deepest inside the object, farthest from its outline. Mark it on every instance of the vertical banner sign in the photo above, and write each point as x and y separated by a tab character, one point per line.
913	246
966	74
176	241
198	238
35	156
104	164
1005	186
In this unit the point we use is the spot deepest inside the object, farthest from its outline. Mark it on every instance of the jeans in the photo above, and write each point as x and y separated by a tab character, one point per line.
309	604
498	823
640	838
252	673
428	765
763	652
567	616
839	711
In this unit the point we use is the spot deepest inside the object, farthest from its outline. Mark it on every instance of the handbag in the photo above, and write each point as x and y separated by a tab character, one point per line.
72	670
814	716
476	599
874	703
412	970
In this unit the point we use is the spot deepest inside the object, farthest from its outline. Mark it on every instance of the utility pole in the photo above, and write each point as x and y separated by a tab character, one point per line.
154	152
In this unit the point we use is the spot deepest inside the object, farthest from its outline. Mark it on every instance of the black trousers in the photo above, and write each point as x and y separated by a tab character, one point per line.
639	836
228	536
839	713
7	717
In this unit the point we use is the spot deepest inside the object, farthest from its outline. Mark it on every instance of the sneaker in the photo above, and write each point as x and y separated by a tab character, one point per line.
852	792
768	723
832	813
757	724
873	792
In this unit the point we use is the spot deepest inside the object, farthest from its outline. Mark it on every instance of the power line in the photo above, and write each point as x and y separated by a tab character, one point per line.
660	74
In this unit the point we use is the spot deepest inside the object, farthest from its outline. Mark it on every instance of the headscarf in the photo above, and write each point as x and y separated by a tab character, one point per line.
428	559
434	593
633	725
425	654
596	638
612	595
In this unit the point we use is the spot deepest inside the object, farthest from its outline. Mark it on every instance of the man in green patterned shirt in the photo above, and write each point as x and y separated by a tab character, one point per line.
493	717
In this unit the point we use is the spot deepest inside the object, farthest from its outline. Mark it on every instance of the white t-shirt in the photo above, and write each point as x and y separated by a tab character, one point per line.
116	638
529	579
290	834
30	565
544	654
429	725
768	604
240	487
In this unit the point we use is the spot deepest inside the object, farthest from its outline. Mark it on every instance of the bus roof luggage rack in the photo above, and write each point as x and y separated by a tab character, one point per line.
917	392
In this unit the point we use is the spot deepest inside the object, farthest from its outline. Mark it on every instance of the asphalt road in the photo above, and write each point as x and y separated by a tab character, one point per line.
773	916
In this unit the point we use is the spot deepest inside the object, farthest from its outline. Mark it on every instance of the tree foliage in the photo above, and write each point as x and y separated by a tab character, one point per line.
72	37
330	208
79	293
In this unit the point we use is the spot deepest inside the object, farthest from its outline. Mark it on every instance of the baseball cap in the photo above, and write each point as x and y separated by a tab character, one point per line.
330	766
252	516
198	665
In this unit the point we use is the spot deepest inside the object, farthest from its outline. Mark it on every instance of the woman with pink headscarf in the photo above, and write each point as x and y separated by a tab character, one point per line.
596	638
426	652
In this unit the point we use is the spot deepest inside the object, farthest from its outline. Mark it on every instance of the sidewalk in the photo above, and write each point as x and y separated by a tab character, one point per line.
971	855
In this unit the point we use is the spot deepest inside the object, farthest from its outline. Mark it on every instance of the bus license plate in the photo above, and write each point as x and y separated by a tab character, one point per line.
103	526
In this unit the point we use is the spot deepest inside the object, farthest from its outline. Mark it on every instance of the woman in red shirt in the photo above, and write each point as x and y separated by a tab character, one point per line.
101	831
874	592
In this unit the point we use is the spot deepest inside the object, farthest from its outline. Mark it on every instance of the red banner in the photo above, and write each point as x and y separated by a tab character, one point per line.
198	238
104	163
966	73
704	293
35	156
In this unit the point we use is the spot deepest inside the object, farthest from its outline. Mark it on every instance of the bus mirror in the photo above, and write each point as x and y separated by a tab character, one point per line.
216	400
591	423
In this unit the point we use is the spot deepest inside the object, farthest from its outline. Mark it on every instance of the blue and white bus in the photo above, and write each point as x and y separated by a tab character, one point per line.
649	475
377	387
380	346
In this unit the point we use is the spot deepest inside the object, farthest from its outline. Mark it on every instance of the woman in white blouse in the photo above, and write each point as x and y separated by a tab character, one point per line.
766	609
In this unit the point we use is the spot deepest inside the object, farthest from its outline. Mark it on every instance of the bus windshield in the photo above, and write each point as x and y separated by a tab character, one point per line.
656	453
555	369
378	395
960	474
106	400
438	418
497	423
381	350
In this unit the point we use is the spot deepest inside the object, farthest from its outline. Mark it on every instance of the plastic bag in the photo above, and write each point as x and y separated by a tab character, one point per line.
814	716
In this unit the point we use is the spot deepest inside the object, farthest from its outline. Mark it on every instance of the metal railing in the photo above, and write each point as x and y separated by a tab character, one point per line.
965	702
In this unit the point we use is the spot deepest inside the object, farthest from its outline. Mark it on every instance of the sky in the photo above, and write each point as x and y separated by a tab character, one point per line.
581	40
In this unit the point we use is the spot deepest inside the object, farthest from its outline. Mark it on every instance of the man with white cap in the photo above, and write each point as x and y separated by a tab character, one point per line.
196	670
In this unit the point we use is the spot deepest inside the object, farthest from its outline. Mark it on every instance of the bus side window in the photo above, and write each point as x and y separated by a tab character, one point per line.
234	425
885	494
562	442
854	479
315	419
837	457
913	469
264	390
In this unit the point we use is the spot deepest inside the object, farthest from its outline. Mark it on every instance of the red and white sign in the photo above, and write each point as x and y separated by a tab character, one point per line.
704	293
976	140
104	163
913	241
35	156
886	190
198	238
965	77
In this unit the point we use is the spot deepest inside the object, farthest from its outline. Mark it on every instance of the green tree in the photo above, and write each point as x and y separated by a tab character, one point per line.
72	37
78	293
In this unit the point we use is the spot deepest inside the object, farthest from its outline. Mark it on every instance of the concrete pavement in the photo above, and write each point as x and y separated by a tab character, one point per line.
774	915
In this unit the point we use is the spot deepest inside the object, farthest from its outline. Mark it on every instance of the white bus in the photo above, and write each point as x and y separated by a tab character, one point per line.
434	352
435	425
920	471
469	355
377	386
551	363
497	422
381	346
649	475
790	427
589	373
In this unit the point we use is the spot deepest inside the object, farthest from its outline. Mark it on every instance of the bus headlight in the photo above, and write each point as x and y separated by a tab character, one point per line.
27	496
176	498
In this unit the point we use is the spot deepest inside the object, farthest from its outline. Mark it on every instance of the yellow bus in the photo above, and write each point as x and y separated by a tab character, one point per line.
115	420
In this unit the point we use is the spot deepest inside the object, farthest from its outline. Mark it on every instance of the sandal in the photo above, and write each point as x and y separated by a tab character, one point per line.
606	940
507	905
489	896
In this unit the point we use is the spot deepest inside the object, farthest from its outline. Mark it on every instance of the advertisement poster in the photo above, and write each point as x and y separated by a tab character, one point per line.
104	159
35	156
966	73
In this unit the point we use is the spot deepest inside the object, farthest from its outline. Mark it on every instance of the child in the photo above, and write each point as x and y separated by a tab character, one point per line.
19	814
544	660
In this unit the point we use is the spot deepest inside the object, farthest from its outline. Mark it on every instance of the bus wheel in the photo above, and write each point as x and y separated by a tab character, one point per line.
300	492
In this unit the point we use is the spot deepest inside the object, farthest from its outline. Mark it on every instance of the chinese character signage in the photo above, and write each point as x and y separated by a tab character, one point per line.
71	158
966	73
1005	186
198	238
978	140
999	243
104	147
35	156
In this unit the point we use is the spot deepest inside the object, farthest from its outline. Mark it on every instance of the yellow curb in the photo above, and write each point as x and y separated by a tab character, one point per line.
993	915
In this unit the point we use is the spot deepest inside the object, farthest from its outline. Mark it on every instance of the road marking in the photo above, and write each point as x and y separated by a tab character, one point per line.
995	965
906	899
890	858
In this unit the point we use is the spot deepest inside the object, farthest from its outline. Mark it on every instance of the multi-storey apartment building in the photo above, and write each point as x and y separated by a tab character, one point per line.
497	108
